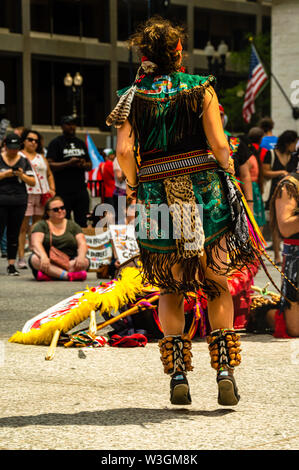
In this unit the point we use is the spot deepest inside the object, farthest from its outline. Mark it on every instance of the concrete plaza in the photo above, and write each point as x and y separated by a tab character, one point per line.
118	399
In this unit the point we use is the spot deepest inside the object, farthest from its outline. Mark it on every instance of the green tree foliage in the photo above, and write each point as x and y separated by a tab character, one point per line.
233	98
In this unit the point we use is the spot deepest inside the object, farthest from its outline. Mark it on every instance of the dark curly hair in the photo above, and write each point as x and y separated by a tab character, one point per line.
157	39
39	148
285	139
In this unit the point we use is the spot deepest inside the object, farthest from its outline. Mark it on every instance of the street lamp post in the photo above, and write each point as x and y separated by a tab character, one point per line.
73	85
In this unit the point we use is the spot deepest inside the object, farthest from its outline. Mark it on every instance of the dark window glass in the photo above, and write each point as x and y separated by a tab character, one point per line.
40	15
52	99
95	19
11	76
66	17
10	15
266	24
123	76
81	18
133	12
213	25
41	92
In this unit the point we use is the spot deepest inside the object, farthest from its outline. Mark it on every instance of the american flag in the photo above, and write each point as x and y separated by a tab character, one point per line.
257	78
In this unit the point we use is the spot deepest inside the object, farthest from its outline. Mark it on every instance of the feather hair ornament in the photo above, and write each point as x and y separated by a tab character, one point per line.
120	113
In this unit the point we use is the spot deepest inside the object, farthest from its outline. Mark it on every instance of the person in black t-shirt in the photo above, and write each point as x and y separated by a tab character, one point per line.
15	172
69	160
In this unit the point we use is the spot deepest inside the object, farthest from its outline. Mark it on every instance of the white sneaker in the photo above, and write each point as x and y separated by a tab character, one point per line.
22	264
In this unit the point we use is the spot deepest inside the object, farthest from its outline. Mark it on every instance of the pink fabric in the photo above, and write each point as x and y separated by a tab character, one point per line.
43	277
77	276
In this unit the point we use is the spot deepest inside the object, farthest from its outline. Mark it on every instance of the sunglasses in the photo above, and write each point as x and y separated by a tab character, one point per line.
57	209
30	139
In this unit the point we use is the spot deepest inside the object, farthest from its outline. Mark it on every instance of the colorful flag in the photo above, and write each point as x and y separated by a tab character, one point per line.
95	156
257	78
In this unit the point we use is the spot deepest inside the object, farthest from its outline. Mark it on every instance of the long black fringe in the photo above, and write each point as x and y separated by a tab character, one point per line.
180	117
157	267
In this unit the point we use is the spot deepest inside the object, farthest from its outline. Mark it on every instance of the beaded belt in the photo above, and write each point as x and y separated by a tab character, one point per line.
174	165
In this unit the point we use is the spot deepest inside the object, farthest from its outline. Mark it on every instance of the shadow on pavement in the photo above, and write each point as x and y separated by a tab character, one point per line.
113	417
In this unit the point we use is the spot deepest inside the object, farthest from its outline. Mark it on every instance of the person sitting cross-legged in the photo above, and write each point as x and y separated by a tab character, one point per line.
67	236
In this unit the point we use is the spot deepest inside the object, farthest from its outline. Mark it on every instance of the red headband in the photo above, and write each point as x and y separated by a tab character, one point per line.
179	46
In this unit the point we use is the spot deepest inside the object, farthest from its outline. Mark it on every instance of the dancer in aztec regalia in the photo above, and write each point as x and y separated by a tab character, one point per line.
173	119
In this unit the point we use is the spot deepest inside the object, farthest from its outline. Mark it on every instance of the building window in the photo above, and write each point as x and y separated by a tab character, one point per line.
133	12
79	18
212	25
51	99
11	75
10	15
266	25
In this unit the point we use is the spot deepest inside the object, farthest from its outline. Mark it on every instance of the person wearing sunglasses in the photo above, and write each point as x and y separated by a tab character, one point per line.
67	236
15	174
32	150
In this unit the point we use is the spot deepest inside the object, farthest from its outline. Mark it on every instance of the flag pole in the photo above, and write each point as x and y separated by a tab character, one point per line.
294	109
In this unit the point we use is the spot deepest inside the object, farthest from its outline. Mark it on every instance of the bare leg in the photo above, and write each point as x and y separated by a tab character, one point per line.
22	237
171	310
291	316
220	309
35	218
221	318
53	271
171	314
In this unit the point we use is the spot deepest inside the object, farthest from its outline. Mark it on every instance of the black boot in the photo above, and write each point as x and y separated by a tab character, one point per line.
227	389
224	346
176	358
179	390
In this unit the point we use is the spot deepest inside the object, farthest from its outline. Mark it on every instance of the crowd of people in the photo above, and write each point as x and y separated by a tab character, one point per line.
34	178
45	201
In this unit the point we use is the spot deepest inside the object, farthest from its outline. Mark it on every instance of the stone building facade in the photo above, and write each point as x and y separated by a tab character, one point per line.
41	40
285	63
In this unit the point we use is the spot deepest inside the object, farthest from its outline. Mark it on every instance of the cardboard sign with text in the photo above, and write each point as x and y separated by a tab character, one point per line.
99	248
124	242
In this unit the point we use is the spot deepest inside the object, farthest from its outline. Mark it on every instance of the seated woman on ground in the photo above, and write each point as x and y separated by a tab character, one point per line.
67	236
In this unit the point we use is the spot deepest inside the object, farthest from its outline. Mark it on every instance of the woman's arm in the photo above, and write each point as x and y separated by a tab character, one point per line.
81	251
50	177
30	180
213	128
125	152
37	239
247	183
6	174
285	206
270	174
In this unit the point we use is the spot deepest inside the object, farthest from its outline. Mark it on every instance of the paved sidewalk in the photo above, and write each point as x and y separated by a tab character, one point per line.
113	398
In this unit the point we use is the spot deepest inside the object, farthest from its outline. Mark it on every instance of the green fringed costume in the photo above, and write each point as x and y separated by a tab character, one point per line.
176	168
